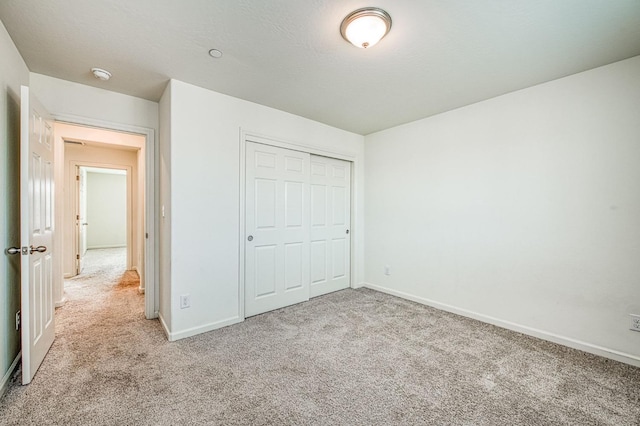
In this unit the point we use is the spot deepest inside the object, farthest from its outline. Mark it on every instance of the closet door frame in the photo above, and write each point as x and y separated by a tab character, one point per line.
247	136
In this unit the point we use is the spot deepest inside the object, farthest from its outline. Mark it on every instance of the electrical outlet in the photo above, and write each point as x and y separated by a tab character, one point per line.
635	322
387	270
18	321
185	301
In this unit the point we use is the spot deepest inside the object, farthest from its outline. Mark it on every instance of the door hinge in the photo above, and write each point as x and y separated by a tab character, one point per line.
77	177
77	257
146	235
77	217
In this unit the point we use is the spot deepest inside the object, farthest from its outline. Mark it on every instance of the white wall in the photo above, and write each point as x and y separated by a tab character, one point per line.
523	210
204	173
13	73
106	210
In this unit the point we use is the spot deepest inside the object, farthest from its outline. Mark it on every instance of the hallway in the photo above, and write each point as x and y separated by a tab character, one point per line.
103	282
102	270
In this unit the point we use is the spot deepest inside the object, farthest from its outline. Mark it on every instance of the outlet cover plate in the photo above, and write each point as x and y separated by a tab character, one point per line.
185	301
635	322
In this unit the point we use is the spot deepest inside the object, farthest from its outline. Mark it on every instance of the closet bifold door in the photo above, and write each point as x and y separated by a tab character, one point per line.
276	228
330	223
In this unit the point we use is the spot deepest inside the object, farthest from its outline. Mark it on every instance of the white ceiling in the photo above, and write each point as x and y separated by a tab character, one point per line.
288	54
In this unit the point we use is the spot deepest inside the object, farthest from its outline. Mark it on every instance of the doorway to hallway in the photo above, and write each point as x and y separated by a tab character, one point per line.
104	213
103	171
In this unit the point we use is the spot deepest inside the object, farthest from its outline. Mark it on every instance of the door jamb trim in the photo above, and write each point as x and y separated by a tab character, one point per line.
130	210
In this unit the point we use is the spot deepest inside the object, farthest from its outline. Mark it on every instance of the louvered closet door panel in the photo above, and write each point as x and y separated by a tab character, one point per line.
277	225
330	222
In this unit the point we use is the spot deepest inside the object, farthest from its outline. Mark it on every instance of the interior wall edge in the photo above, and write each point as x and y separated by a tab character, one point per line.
165	328
529	331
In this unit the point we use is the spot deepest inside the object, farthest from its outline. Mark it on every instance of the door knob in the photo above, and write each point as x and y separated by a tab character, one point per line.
13	250
39	249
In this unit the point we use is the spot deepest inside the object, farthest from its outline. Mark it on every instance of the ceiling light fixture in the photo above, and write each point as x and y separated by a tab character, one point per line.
101	74
365	27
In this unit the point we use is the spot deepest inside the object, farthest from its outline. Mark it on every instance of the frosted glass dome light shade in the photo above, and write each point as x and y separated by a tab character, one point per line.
365	27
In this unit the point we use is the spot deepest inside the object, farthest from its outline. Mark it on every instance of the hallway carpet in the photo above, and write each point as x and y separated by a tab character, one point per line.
355	357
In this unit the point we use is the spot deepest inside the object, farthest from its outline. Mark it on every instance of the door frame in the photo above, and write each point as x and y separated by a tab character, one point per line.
130	205
151	176
248	136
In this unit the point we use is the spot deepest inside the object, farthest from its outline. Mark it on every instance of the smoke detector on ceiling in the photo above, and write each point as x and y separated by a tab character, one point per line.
101	74
215	53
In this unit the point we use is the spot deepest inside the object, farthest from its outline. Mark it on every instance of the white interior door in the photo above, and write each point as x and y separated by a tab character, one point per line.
36	233
330	221
81	217
277	228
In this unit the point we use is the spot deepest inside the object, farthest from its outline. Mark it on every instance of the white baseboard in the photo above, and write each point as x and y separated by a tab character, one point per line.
61	302
4	385
541	334
106	247
173	336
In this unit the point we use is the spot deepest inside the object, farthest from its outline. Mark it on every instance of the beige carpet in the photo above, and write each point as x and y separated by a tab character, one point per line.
355	357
